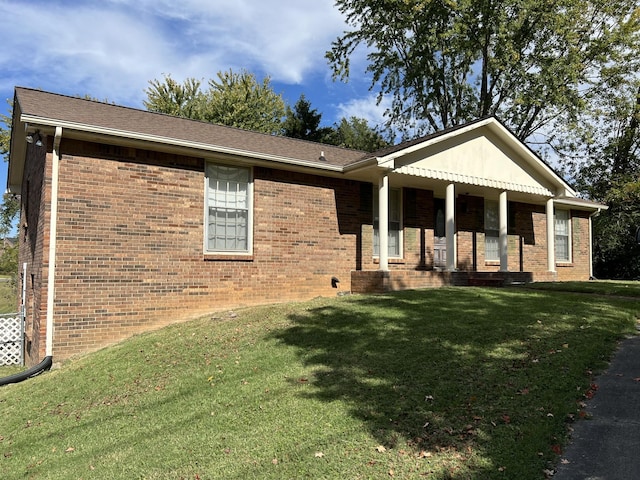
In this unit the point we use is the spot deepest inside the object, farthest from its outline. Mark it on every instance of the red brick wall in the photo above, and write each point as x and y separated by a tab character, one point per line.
33	250
130	243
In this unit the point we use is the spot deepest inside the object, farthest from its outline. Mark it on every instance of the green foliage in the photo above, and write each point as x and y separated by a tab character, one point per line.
5	133
10	208
303	122
616	252
9	260
604	157
527	62
8	298
459	383
170	97
9	211
233	99
239	100
357	134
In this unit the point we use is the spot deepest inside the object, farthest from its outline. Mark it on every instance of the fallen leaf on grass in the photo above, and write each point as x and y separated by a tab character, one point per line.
380	449
69	450
319	455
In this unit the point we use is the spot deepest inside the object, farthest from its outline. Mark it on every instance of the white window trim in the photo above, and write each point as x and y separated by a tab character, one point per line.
569	237
400	224
495	203
250	213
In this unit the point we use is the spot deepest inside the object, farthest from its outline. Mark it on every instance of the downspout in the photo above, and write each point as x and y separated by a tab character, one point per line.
46	363
53	229
591	277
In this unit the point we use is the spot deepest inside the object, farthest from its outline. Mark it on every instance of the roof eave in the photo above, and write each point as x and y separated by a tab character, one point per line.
86	131
580	204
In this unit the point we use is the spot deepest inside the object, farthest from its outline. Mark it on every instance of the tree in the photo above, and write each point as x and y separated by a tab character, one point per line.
616	252
239	100
529	62
357	134
10	208
606	162
173	98
303	122
233	99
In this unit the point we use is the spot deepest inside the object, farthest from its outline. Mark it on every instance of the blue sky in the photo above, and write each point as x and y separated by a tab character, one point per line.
110	49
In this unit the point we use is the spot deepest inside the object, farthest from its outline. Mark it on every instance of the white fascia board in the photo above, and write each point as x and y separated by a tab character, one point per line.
202	147
580	204
359	165
433	141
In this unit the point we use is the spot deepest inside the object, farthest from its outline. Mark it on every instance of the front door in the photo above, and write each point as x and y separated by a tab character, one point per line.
439	235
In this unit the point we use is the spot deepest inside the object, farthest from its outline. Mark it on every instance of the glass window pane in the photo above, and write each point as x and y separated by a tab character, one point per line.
491	248
491	230
395	215
562	236
228	205
491	215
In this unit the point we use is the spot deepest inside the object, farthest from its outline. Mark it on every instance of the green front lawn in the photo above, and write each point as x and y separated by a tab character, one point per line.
599	287
452	383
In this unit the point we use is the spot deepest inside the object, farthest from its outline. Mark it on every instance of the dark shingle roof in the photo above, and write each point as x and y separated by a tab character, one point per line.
126	121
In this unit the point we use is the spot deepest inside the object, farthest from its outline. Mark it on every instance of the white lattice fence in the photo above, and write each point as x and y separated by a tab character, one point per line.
11	339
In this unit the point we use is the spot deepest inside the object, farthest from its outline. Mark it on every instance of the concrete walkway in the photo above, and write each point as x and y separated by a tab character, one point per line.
607	446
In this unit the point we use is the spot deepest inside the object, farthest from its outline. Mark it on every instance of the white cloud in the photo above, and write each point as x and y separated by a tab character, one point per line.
113	48
366	108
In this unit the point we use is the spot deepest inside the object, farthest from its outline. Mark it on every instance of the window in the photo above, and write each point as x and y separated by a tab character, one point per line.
228	209
395	215
491	231
563	246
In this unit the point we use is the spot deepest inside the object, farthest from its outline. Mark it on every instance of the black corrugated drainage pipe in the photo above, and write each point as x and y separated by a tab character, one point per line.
29	373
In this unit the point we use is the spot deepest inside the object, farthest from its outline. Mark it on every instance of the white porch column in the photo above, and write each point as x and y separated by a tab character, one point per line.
503	240
450	227
383	221
551	237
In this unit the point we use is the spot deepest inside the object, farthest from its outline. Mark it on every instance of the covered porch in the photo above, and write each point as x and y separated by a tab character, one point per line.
471	206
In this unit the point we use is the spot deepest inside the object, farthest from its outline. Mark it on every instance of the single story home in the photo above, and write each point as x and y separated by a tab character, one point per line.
132	220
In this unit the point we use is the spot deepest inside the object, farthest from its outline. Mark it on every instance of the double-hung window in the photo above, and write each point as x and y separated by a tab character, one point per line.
395	216
228	209
491	231
563	230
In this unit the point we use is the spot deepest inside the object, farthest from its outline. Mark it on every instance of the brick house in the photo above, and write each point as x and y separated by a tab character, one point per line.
132	220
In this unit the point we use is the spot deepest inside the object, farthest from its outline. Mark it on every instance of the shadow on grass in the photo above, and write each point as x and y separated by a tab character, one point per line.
486	376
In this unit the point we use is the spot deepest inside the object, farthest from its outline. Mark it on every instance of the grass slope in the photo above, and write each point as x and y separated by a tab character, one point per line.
440	384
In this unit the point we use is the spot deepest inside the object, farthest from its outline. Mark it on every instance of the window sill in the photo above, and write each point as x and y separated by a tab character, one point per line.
564	264
492	263
392	261
227	257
